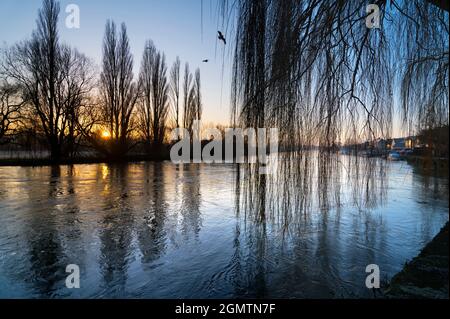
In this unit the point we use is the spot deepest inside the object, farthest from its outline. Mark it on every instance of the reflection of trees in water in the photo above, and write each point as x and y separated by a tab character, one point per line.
320	184
116	231
173	214
70	220
248	267
429	187
191	197
428	191
317	181
151	229
45	253
52	230
256	260
367	178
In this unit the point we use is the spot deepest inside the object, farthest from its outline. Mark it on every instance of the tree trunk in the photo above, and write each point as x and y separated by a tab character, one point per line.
55	151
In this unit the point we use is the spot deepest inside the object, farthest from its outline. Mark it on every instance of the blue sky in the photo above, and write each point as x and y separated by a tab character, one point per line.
173	25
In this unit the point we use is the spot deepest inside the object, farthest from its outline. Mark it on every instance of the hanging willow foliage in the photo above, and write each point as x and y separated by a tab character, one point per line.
315	71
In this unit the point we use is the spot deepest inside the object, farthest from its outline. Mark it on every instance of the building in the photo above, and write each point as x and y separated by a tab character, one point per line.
381	145
398	143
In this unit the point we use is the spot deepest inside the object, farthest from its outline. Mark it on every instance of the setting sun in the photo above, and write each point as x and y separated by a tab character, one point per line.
106	134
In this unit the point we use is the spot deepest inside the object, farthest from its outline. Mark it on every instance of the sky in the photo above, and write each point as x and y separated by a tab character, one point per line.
175	26
184	28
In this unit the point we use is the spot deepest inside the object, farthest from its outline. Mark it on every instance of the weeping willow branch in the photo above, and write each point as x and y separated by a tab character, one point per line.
316	72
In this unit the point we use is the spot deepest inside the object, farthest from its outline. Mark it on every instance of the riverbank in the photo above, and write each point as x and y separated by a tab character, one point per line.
82	160
425	276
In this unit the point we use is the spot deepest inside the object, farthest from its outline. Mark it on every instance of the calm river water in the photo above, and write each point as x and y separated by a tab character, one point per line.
159	230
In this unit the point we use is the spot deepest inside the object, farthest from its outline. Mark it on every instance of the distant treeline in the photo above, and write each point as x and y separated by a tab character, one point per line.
52	99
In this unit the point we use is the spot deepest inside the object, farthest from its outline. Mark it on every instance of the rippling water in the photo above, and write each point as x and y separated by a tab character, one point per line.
159	230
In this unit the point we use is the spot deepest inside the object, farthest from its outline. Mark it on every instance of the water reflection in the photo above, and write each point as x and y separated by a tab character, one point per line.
329	215
151	228
116	228
191	198
159	230
302	184
44	245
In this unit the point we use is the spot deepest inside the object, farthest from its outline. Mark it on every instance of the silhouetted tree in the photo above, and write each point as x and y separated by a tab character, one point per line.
315	68
187	96
118	89
198	96
53	78
78	105
175	90
145	102
160	98
422	41
11	104
153	108
192	98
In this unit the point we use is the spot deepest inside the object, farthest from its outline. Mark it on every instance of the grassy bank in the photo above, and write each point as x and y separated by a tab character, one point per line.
426	276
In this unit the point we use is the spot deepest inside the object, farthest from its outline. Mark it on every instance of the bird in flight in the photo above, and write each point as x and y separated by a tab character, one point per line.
221	37
205	61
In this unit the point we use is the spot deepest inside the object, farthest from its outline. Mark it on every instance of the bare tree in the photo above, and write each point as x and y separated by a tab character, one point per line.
175	90
78	84
187	97
198	96
145	102
153	107
160	98
53	78
118	89
192	98
11	104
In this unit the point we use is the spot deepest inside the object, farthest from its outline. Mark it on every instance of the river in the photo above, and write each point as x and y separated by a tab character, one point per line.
160	230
